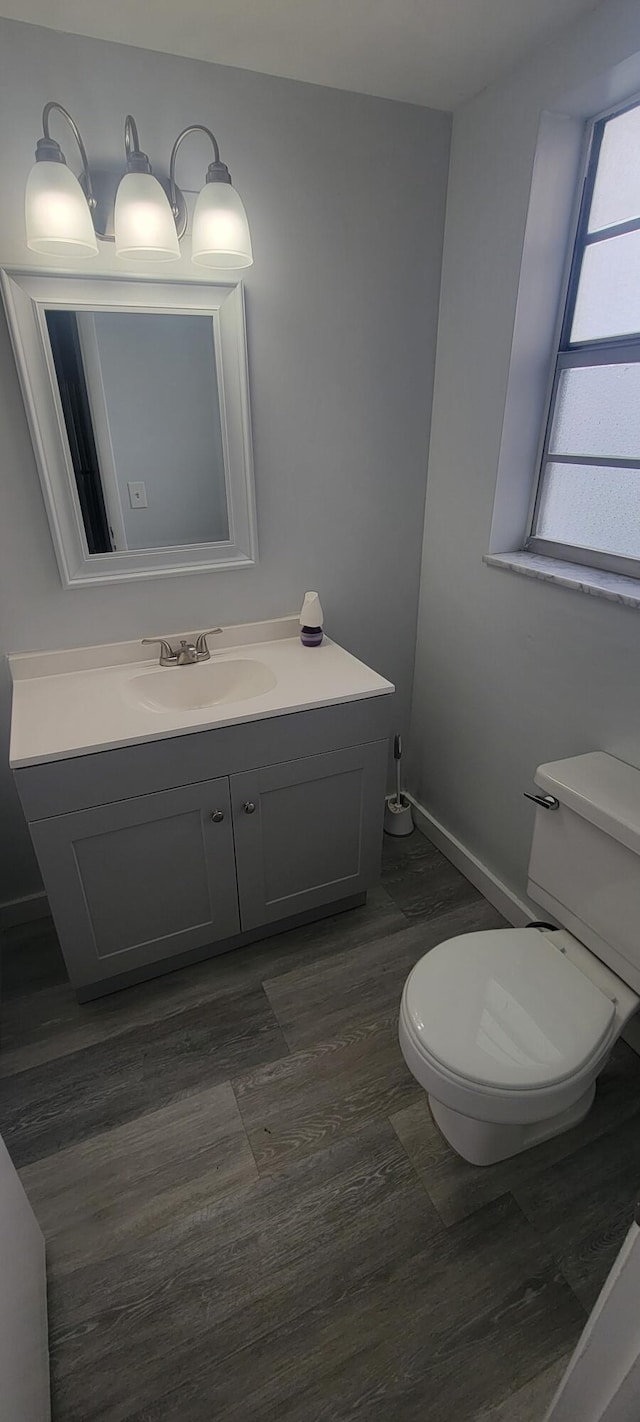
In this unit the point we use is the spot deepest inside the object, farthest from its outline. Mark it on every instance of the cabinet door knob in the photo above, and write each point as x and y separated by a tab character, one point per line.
248	807
217	816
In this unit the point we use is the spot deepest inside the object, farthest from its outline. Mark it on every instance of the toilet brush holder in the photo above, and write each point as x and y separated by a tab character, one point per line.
398	819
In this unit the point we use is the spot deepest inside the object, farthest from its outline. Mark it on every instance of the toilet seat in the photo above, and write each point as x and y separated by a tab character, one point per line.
504	1012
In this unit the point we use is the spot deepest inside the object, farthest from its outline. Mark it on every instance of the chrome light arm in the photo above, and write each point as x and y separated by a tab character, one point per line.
138	162
48	149
217	172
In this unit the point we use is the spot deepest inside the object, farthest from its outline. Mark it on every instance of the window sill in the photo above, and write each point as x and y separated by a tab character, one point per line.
613	586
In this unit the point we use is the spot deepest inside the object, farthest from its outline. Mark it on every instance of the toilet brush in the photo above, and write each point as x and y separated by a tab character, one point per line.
398	819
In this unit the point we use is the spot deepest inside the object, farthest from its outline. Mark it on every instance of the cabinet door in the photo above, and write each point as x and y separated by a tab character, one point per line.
308	832
140	880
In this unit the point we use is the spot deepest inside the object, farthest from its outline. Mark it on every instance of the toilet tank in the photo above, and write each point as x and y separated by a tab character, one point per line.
584	866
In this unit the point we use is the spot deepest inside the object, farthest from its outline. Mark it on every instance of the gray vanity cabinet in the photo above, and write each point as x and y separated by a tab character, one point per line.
140	880
306	832
156	854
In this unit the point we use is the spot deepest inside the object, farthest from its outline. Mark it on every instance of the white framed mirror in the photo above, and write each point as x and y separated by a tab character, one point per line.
137	397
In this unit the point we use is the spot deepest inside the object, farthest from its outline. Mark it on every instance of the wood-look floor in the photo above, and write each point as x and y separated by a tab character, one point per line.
248	1210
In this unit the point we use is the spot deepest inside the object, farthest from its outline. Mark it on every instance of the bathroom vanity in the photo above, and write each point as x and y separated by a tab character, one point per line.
178	812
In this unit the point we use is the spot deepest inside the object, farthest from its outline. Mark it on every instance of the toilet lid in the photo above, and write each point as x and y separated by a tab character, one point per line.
506	1009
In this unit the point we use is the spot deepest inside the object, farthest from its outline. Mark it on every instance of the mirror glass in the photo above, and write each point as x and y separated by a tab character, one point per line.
140	398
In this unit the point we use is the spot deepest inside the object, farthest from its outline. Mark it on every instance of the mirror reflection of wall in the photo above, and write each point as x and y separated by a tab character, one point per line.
139	394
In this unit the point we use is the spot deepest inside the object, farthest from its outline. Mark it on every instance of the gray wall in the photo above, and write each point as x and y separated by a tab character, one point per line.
346	198
510	672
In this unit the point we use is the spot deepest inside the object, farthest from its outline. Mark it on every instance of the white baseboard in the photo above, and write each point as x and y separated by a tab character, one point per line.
15	911
516	910
631	1035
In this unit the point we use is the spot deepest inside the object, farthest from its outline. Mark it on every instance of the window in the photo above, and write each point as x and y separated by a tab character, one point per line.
587	506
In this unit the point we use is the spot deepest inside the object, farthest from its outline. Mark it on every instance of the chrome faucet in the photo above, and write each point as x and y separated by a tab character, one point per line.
188	654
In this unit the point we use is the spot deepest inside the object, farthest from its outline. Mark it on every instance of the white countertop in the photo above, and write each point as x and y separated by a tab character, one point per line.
81	701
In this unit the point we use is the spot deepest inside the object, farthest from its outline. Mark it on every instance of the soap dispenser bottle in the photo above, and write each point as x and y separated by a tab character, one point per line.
311	620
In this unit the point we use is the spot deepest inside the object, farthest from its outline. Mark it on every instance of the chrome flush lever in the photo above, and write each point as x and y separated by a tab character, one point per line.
546	802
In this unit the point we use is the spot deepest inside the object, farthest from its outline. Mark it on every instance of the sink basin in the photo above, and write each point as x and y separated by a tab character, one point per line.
192	688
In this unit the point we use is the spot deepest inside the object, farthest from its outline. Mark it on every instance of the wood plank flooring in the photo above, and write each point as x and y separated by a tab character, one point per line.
249	1212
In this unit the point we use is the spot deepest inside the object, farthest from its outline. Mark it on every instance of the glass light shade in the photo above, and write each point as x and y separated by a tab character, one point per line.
221	235
57	216
143	221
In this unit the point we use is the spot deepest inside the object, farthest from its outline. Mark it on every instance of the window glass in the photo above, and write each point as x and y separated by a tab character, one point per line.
616	195
591	506
597	411
588	498
608	300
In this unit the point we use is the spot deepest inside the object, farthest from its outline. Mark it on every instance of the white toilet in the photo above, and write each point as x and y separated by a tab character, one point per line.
508	1029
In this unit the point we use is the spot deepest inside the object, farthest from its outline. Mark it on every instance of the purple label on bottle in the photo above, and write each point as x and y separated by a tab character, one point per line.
311	636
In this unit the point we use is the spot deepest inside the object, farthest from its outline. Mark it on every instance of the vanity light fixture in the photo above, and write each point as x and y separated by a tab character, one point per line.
221	236
143	223
60	209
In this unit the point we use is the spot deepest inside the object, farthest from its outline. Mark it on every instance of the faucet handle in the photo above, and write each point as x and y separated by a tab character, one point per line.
201	643
167	655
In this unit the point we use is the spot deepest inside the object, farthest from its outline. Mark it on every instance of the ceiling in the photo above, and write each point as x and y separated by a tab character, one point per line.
435	52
